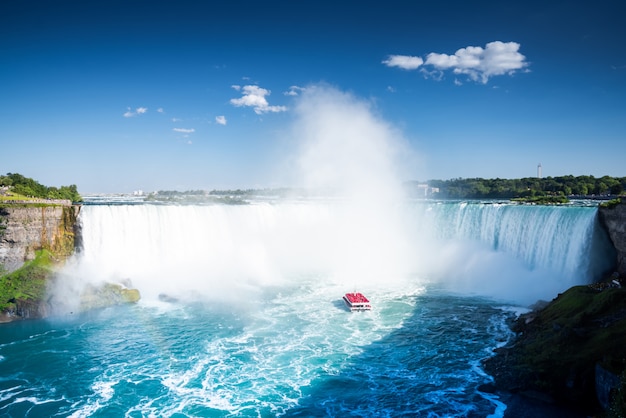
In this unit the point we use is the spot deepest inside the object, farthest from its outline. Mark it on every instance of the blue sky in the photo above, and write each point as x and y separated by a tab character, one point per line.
118	96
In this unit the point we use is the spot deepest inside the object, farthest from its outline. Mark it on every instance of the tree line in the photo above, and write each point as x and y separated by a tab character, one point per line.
28	187
528	187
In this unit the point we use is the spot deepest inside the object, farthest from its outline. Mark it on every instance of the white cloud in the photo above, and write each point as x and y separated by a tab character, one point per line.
497	58
294	91
177	120
184	130
406	62
220	120
478	63
254	96
139	111
160	110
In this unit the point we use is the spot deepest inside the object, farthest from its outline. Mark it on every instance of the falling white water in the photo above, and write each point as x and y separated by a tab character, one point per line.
223	250
232	252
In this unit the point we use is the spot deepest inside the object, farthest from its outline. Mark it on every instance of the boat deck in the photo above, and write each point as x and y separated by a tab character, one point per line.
357	302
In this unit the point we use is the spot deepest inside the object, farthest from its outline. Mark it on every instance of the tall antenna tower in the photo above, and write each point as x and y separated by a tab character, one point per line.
539	171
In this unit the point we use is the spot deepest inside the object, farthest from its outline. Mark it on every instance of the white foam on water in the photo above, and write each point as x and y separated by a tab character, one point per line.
299	336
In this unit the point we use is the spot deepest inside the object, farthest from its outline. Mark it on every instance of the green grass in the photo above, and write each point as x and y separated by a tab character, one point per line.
14	196
28	282
9	199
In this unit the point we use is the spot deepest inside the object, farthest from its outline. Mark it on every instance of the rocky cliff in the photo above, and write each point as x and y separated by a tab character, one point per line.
27	228
613	218
570	352
35	239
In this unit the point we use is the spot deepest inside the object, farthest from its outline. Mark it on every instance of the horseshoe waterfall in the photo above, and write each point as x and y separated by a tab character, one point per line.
241	311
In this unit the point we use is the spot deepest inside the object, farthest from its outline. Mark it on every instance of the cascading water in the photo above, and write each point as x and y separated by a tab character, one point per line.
519	253
221	251
558	238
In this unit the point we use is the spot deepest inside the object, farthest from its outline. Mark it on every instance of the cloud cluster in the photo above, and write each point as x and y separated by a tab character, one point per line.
139	111
478	63
254	97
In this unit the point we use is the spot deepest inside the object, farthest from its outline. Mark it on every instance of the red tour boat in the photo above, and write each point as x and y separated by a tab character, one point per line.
357	302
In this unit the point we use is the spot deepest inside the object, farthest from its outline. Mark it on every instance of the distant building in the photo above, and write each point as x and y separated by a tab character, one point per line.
539	171
421	189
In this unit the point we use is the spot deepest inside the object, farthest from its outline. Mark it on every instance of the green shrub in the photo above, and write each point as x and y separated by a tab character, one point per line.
610	204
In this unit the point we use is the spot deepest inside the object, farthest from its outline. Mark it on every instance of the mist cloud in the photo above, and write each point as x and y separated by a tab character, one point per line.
345	148
344	145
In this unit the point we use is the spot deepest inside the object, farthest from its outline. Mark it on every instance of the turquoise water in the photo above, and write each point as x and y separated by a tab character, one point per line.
254	324
296	352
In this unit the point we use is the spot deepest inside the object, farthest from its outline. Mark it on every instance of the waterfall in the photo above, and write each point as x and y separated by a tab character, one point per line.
561	238
513	252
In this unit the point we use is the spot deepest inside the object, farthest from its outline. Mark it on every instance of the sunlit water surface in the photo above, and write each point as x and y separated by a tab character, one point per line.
296	351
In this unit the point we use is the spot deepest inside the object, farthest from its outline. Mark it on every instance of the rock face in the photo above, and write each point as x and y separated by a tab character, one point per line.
34	240
572	350
27	228
613	218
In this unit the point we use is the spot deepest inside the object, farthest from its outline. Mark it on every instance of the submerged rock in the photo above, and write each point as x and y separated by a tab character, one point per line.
107	294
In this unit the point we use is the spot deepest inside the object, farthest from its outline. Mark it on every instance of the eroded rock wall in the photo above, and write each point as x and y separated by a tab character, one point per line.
614	221
25	229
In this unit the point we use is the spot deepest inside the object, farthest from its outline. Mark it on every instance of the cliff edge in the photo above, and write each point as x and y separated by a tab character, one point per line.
24	229
613	219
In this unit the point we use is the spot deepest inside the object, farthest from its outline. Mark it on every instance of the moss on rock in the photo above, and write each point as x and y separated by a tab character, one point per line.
108	294
558	347
27	282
